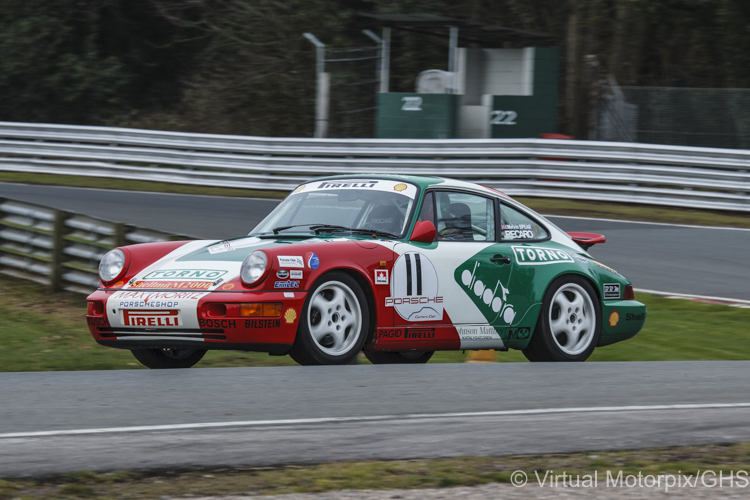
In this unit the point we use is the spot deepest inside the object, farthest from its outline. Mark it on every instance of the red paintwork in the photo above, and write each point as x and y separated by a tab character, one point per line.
139	256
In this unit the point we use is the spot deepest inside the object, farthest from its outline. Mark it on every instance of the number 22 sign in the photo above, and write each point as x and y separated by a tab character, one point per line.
503	118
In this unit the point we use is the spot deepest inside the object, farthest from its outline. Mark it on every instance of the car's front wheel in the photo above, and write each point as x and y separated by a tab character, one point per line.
569	325
334	323
168	358
400	357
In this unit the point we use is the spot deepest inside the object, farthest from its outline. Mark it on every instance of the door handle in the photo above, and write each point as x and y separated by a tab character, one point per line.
500	258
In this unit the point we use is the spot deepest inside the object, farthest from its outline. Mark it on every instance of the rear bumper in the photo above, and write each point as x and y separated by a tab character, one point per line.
621	320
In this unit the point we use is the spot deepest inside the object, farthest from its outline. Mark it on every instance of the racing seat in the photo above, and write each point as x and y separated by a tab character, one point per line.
458	224
386	218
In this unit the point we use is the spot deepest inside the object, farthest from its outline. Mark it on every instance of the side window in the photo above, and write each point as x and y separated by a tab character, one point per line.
428	209
464	217
516	226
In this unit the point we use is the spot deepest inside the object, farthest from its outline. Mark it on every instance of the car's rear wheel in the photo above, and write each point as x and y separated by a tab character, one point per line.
334	323
569	325
400	357
168	358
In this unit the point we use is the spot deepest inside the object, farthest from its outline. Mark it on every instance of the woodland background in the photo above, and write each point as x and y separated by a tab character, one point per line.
243	67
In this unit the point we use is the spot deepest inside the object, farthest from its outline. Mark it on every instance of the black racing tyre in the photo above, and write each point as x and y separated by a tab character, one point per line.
168	358
400	357
569	325
334	323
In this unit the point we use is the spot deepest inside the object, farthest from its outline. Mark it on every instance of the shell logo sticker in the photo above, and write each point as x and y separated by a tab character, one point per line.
290	315
228	286
614	318
299	189
399	187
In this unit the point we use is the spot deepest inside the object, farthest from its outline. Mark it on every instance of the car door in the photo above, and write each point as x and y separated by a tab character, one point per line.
461	278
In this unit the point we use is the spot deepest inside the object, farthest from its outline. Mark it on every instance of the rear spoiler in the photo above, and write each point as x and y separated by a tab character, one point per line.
587	240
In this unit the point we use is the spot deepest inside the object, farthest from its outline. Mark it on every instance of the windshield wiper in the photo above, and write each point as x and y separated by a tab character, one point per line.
277	230
332	228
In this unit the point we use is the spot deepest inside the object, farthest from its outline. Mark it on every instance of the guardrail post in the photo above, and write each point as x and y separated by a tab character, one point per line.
58	250
120	232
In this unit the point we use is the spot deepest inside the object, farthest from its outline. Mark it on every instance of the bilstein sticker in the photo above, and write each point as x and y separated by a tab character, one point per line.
538	256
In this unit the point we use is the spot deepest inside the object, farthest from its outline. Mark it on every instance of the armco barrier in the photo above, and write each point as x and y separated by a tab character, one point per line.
706	178
61	249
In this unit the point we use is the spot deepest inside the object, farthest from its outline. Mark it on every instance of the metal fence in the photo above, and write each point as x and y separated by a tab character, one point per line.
61	249
704	178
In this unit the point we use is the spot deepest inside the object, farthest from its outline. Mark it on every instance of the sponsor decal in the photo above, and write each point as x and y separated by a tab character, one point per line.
98	322
313	262
382	220
477	333
414	289
579	257
611	290
299	189
289	295
635	317
516	226
282	274
339	185
602	266
220	247
286	284
179	285
263	323
290	315
295	274
148	297
381	276
518	234
519	333
614	318
290	261
186	274
390	334
539	256
419	333
217	323
400	187
228	286
151	318
488	298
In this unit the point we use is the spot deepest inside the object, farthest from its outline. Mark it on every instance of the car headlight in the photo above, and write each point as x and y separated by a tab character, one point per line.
112	265
253	267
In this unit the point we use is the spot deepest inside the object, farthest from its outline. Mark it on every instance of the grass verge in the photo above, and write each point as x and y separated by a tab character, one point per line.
47	332
401	474
623	211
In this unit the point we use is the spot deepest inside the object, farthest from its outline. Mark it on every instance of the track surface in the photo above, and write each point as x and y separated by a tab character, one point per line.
104	400
668	258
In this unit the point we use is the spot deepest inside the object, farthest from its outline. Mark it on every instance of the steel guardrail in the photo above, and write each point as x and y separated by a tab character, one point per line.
705	178
62	249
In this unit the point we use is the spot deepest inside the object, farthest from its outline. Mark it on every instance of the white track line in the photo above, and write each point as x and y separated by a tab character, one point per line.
737	302
327	420
650	223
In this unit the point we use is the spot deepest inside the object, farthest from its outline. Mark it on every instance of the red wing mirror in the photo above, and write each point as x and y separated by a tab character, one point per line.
587	240
424	232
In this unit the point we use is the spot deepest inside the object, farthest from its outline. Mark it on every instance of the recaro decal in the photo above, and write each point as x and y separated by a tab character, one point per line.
415	288
539	256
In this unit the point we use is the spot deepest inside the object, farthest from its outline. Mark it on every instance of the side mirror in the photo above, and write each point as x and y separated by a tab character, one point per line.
424	232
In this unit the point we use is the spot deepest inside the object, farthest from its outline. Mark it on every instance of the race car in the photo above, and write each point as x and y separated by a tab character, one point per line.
396	266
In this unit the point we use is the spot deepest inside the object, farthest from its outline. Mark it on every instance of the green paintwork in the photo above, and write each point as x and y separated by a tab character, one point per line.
631	316
435	116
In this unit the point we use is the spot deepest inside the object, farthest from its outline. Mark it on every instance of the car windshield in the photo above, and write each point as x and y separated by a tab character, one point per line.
342	205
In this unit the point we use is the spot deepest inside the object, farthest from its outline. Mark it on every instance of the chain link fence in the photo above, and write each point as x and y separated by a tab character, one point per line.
718	118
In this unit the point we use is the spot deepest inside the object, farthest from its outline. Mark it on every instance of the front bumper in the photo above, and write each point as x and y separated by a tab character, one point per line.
201	324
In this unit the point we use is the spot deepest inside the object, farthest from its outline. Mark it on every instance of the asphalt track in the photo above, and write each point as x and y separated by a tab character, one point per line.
693	260
139	419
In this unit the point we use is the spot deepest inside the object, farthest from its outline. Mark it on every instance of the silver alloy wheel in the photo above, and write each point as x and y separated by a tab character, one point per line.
572	319
334	318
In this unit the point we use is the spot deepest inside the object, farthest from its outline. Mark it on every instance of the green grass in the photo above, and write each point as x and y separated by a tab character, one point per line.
374	475
621	211
46	332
